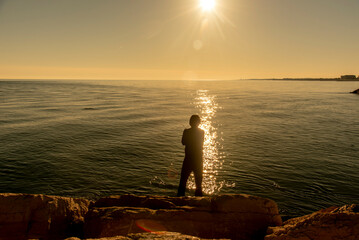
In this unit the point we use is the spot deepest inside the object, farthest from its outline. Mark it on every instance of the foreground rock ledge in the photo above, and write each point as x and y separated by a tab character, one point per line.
150	236
26	216
225	216
127	217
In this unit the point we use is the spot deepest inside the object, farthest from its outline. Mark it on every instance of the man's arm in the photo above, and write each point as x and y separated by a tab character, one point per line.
184	138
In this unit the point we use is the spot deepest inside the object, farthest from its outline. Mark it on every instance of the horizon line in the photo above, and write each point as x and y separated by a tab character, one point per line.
237	79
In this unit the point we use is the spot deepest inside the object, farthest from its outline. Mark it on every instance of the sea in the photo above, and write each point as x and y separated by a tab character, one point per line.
295	142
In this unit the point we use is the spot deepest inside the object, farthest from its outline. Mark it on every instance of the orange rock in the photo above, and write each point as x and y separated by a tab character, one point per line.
150	236
26	216
225	216
328	224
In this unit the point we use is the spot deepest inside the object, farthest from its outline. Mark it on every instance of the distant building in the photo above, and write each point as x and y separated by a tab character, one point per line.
348	77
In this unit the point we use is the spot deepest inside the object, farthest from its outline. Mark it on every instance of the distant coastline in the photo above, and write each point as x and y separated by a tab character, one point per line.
310	79
260	79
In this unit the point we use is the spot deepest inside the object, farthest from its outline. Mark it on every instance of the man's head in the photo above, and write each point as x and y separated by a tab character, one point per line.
194	121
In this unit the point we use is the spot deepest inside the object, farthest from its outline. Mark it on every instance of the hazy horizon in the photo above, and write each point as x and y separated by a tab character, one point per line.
239	79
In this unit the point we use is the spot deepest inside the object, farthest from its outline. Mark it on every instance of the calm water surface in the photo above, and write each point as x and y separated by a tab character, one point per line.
291	141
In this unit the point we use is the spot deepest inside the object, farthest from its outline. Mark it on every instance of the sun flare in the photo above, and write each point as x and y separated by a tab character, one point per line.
207	5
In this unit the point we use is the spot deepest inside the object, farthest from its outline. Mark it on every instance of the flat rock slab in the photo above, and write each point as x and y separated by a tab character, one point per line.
224	216
149	236
335	223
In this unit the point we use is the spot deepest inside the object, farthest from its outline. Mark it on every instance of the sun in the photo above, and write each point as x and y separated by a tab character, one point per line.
207	5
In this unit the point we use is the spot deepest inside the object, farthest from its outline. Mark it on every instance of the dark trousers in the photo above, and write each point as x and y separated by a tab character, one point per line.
197	170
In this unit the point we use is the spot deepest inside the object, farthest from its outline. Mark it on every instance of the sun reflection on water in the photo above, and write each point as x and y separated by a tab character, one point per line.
212	161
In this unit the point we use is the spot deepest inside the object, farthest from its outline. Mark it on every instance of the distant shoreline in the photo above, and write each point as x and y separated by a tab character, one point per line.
249	79
310	79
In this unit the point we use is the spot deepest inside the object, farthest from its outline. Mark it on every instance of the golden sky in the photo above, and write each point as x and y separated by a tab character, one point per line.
177	39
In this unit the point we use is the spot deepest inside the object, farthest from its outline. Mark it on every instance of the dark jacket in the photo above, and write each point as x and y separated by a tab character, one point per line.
193	139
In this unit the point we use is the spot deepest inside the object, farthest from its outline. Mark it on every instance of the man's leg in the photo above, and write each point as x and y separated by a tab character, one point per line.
198	176
186	171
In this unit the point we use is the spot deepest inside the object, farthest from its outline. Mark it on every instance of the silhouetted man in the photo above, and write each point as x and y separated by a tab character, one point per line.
193	139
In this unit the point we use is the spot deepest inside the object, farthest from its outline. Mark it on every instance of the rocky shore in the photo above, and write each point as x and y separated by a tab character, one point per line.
26	216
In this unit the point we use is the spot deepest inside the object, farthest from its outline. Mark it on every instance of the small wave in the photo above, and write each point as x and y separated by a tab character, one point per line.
276	185
158	182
